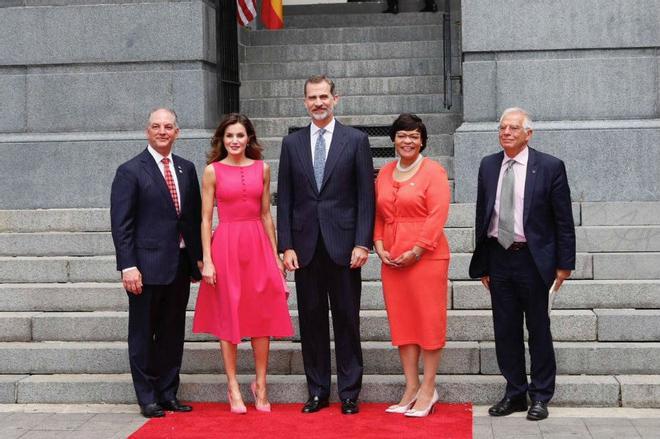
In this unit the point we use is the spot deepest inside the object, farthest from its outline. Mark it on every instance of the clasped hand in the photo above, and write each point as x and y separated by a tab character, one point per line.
405	259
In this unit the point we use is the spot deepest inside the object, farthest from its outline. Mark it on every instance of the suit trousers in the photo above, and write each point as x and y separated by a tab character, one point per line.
156	326
315	283
517	290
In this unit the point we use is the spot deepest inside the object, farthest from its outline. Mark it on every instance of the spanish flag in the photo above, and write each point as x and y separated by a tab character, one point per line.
271	14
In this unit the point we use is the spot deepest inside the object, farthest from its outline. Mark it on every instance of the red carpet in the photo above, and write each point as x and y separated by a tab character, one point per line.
213	420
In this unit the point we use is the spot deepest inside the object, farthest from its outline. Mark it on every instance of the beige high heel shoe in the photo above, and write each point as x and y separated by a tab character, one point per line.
424	412
396	408
260	408
238	409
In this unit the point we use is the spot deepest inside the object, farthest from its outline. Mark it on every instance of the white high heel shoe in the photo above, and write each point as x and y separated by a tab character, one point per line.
401	409
424	412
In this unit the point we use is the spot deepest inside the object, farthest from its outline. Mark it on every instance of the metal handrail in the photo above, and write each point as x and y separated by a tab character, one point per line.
229	81
446	55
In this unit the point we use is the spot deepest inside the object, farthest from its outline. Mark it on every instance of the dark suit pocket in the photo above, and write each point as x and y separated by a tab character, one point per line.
297	224
147	243
347	224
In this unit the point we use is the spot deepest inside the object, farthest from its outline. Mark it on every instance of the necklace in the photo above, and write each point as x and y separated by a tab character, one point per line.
410	166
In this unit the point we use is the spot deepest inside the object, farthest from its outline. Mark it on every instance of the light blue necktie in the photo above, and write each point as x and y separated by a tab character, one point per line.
319	158
505	227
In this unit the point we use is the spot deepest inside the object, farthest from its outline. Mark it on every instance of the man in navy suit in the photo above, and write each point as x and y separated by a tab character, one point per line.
155	210
525	241
325	215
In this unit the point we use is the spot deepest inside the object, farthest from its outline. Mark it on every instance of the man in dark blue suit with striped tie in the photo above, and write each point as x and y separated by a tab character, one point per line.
325	215
155	210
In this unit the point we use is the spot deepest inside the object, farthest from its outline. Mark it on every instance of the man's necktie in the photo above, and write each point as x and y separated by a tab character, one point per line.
319	158
505	229
170	184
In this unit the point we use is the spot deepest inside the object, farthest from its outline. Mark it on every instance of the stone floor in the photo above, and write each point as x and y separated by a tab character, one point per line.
118	421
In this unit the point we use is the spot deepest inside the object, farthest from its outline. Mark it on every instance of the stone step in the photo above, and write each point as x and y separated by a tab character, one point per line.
574	294
360	20
100	243
343	69
380	357
462	325
436	123
98	219
334	35
628	324
92	296
623	238
581	391
55	220
463	295
350	8
590	358
204	357
438	145
626	265
597	239
340	52
28	269
373	104
621	213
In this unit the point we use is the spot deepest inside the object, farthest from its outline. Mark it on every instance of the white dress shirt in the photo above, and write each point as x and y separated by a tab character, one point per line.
520	172
314	134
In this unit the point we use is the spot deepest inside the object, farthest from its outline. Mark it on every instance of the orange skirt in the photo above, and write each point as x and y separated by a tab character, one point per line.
416	303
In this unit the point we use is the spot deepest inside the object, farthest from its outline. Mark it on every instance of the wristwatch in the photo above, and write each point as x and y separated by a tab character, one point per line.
417	257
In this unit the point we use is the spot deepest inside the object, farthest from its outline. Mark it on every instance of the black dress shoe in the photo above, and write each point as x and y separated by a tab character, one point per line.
314	404
538	411
152	410
349	406
175	406
507	406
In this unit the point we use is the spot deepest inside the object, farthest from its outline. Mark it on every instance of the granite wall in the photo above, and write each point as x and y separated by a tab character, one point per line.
587	71
77	80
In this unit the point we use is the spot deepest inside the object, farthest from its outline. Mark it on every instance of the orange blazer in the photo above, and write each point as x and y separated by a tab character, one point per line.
413	212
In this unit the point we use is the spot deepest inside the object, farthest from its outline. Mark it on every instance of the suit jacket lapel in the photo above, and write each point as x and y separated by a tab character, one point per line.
530	181
491	182
304	151
337	147
151	168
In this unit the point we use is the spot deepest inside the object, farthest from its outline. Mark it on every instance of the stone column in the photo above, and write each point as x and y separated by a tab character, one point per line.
588	71
77	80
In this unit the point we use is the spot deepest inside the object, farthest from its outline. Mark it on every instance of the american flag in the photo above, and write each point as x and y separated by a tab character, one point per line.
246	11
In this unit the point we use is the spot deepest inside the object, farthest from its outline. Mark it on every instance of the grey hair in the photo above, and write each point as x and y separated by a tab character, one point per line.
169	110
527	119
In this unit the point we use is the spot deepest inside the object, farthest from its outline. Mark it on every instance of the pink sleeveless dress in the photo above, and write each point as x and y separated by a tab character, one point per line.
249	298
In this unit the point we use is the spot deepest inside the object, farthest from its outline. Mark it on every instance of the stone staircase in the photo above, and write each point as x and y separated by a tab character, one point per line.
63	313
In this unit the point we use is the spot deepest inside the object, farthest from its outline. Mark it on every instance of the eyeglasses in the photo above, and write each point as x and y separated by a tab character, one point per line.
414	136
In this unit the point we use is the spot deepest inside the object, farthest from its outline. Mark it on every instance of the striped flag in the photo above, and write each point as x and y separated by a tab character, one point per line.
246	11
271	14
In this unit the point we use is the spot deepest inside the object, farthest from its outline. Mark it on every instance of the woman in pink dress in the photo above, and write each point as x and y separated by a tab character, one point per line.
243	293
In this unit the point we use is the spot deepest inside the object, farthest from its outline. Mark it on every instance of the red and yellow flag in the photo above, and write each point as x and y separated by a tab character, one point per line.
271	14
